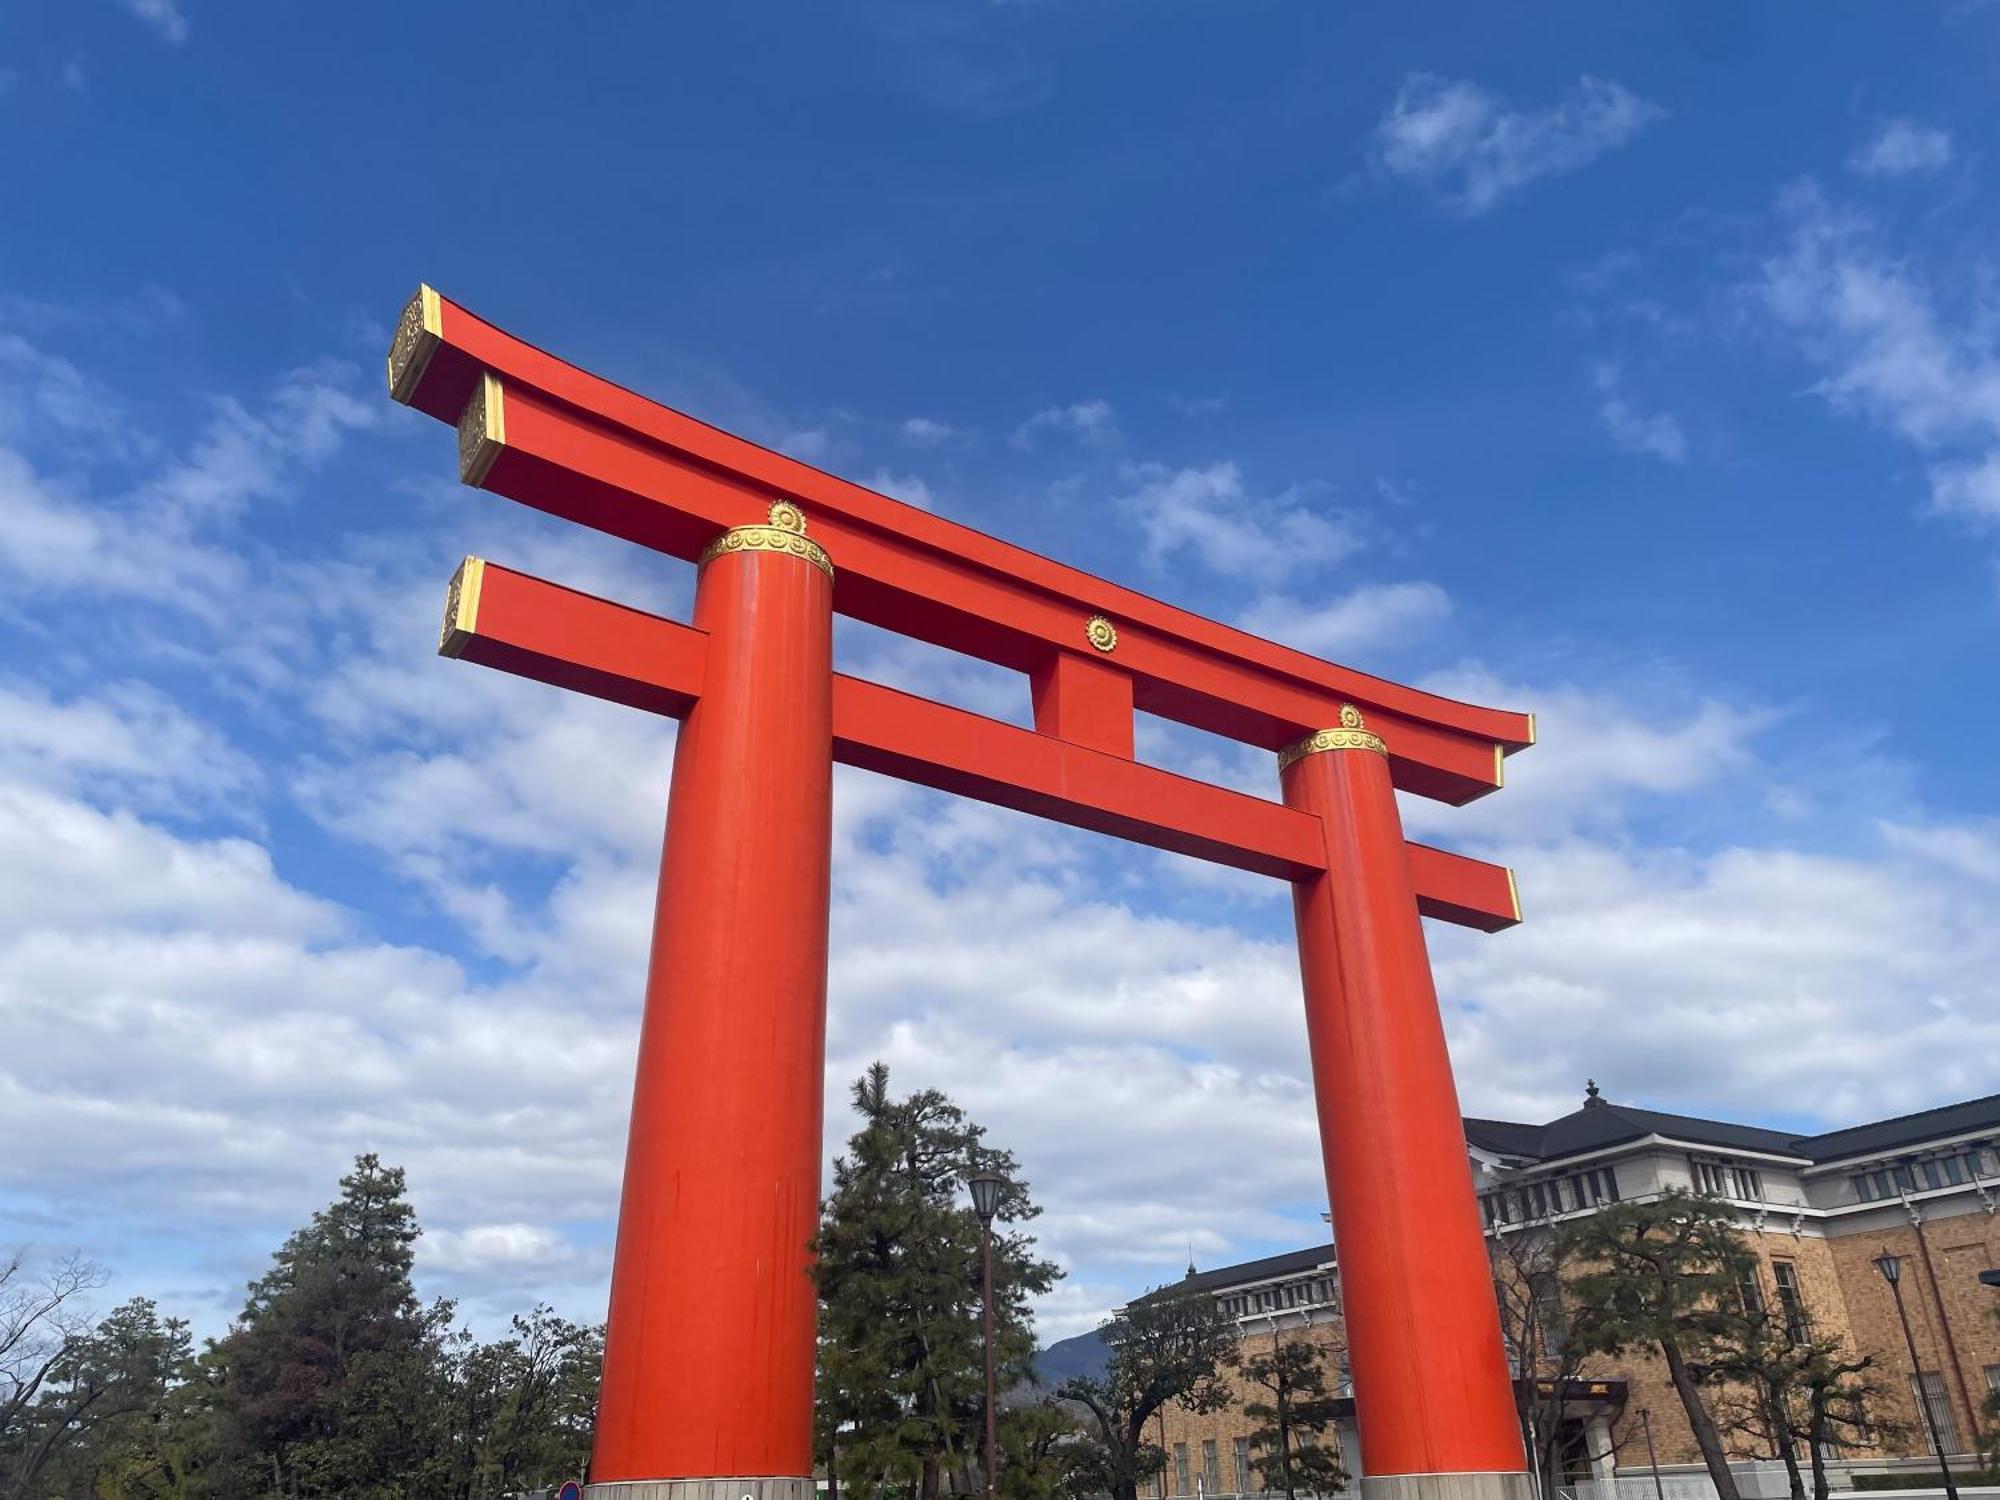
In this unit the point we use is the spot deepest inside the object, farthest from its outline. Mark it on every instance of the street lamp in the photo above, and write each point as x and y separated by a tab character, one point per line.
1891	1267
1652	1458
986	1189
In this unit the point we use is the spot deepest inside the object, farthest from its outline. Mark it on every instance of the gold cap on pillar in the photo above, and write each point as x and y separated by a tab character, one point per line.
1349	736
784	531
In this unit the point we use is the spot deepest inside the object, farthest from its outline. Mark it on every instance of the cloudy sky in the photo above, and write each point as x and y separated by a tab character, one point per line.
1636	365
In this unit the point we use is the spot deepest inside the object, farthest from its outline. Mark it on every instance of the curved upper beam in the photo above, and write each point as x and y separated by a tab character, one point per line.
568	442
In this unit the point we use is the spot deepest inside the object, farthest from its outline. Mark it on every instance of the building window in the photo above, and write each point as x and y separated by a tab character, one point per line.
1750	1291
1797	1325
1707	1178
1993	1379
1929	1389
1549	1316
1211	1466
1180	1469
1749	1183
1243	1480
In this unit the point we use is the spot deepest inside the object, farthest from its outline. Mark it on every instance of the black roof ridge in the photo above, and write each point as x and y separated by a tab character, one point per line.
1639	1114
1915	1114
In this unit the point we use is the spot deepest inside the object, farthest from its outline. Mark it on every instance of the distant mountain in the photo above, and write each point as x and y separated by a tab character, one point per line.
1083	1355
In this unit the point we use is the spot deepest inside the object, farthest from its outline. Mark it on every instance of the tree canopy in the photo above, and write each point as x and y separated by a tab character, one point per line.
897	1262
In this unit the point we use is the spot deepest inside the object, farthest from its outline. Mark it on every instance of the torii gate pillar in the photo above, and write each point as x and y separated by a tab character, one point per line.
1434	1401
708	1360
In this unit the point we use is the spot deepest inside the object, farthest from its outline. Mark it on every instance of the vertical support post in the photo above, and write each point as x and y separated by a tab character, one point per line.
708	1363
1433	1397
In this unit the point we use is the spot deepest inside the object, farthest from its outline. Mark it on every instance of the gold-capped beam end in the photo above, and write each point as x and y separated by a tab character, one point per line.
1514	893
419	331
461	607
482	430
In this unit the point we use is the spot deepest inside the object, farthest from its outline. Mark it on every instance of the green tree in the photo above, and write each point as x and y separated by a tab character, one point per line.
897	1263
1168	1346
1660	1276
1531	1272
326	1384
516	1414
93	1424
1043	1454
1289	1440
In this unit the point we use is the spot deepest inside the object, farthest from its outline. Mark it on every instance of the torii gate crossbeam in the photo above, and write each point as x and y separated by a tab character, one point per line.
709	1352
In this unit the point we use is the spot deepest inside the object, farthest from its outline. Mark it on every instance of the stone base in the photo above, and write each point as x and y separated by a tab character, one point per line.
761	1487
1446	1487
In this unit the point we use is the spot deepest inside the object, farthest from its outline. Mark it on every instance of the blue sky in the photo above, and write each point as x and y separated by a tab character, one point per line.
1636	365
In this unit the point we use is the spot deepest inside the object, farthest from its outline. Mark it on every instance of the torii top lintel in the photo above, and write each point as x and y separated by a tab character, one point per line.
591	451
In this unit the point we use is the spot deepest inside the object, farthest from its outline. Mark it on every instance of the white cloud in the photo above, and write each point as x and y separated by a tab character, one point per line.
1361	620
165	18
1891	349
160	541
926	432
1903	148
130	743
909	488
1471	149
1211	515
1651	434
1597	755
1089	422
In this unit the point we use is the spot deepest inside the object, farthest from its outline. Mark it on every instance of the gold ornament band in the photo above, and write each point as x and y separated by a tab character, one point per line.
461	607
786	532
419	331
1101	633
482	430
1349	736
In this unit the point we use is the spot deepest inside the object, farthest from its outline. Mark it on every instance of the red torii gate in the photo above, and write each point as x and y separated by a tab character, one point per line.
708	1368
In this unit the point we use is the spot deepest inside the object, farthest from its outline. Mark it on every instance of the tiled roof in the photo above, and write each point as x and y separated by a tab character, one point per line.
1291	1263
1905	1130
1600	1124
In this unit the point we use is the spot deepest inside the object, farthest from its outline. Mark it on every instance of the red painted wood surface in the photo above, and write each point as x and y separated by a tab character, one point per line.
573	640
1432	1390
708	1359
585	449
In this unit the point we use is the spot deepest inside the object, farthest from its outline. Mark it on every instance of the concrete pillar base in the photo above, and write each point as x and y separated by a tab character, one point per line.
760	1487
1447	1487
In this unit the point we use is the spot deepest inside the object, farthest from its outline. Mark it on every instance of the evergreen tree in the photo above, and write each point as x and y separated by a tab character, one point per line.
1168	1346
1289	1440
1662	1275
94	1424
324	1385
901	1372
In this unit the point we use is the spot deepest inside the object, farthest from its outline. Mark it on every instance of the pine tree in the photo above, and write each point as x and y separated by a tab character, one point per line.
1289	1441
93	1427
1662	1275
1167	1346
325	1383
897	1263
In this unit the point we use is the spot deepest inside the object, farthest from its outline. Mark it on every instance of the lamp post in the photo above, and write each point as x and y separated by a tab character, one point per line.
986	1188
1652	1458
1891	1267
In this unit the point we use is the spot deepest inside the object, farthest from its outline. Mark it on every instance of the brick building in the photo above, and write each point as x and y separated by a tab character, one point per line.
1817	1210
